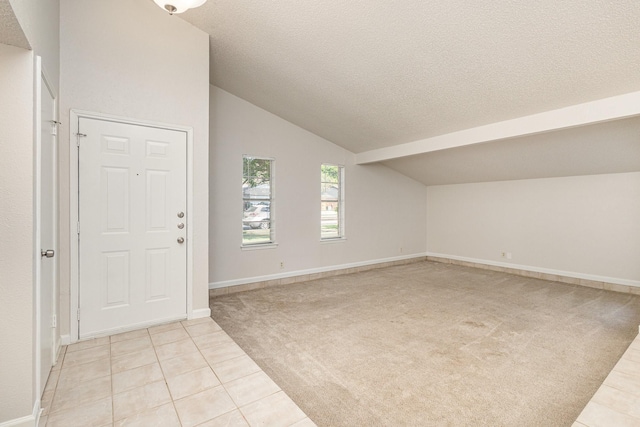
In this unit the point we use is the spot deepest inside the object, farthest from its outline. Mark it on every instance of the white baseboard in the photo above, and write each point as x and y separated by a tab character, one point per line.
57	346
247	280
27	421
618	281
65	339
37	412
200	313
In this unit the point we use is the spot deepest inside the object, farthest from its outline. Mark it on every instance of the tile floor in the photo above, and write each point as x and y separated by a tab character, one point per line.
188	373
617	401
191	373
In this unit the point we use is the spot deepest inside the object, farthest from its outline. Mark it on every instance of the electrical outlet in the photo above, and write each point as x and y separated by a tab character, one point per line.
281	264
400	249
503	254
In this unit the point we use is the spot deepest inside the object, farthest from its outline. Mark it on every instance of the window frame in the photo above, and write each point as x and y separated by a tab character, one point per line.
271	243
341	204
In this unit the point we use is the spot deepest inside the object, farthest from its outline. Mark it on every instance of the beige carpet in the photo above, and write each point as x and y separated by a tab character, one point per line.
431	344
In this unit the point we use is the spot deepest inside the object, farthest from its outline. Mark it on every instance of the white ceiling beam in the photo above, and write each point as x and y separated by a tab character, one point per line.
602	110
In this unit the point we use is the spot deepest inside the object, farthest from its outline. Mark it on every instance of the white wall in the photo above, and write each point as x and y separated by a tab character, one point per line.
16	229
588	225
40	24
129	58
384	209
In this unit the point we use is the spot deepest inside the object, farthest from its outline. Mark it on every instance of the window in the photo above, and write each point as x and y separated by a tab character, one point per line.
331	202
257	200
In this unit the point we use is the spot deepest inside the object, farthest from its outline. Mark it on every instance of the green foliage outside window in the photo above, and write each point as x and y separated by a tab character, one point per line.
331	224
329	173
255	171
257	198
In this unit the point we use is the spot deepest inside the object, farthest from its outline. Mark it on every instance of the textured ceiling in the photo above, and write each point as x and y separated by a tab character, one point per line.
611	147
370	74
10	31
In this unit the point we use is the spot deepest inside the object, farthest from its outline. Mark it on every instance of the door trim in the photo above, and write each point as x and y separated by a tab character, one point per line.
75	116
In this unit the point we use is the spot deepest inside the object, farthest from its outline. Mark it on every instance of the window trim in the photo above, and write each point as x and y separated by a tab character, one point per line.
258	246
271	243
341	205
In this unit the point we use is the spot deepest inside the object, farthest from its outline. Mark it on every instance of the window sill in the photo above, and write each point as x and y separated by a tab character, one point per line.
330	240
258	246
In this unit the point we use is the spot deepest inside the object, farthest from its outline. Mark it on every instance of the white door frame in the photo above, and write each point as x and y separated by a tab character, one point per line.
75	116
40	76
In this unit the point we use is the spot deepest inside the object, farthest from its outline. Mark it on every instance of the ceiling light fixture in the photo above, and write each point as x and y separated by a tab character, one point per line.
178	6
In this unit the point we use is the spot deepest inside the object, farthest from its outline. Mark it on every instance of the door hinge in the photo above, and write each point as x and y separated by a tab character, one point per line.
54	127
78	136
54	321
78	227
78	314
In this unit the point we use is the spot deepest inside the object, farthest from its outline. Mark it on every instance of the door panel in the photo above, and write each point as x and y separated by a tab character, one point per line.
156	285
132	186
157	201
115	199
115	278
47	206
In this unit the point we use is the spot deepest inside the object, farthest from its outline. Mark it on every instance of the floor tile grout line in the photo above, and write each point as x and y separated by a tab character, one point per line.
260	370
51	411
257	400
86	342
237	407
55	388
164	377
111	358
216	375
84	363
113	404
146	409
169	342
607	407
178	322
618	389
113	394
220	380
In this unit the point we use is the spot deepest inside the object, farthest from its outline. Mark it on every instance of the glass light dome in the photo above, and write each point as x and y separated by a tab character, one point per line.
178	6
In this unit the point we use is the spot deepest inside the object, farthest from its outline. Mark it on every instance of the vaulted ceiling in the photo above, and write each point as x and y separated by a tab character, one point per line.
369	75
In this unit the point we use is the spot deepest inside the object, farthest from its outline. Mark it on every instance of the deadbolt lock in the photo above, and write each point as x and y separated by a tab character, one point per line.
180	240
180	214
181	225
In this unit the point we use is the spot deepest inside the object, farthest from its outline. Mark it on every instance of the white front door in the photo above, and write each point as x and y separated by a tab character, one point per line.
48	227
132	226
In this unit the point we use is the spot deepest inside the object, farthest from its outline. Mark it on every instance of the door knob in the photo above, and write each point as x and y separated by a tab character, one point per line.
180	239
49	253
180	214
181	225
